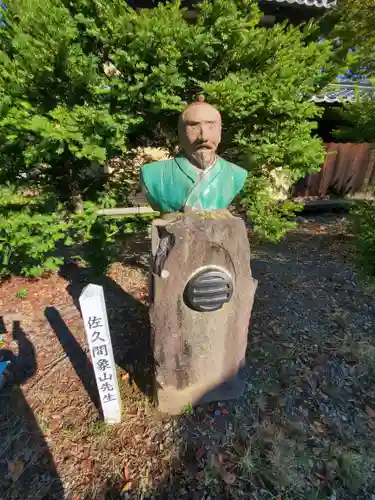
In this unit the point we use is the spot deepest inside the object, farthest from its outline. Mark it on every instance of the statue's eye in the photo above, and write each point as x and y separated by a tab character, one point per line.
194	128
212	125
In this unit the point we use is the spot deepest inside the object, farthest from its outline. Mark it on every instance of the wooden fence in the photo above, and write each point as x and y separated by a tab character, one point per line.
348	169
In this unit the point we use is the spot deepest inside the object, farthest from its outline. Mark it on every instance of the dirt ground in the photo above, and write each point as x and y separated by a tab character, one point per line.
303	430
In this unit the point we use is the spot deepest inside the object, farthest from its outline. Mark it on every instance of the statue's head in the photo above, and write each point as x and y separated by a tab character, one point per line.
199	130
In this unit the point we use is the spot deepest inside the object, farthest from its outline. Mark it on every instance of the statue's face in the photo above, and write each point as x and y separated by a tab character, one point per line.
200	133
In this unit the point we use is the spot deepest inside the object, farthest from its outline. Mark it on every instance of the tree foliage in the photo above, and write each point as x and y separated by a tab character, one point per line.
54	100
358	121
83	80
351	26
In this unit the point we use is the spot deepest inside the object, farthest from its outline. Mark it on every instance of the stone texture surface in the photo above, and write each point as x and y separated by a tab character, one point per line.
198	355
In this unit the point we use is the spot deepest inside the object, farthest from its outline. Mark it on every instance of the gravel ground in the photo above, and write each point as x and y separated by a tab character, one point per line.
304	427
303	430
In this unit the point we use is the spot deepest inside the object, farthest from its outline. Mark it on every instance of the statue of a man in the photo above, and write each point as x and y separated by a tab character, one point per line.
197	178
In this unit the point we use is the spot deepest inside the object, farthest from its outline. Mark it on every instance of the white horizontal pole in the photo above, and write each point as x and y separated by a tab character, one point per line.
126	211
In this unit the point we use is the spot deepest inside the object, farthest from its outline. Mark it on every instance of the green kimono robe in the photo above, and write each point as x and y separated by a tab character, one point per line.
171	185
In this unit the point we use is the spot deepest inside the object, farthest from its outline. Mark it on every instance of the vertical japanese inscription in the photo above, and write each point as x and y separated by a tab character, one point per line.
97	330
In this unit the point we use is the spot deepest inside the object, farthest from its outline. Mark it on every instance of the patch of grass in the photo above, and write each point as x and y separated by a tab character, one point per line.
362	352
99	429
303	464
22	293
44	425
362	217
188	409
276	462
145	405
212	475
366	354
144	484
284	467
354	471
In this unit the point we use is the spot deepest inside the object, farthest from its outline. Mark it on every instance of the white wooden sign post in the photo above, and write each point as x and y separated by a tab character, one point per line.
99	339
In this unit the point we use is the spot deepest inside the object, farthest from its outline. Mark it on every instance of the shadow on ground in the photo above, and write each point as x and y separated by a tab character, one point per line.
75	353
27	469
128	322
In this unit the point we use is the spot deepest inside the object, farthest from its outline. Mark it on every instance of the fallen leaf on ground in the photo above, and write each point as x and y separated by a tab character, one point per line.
88	464
126	473
318	427
200	475
200	452
281	402
370	412
56	421
323	479
228	477
16	469
128	486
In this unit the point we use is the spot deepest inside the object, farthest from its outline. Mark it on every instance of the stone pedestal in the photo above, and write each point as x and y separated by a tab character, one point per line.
199	355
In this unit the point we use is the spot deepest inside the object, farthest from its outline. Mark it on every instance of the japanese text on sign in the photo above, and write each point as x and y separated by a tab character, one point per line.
100	355
99	339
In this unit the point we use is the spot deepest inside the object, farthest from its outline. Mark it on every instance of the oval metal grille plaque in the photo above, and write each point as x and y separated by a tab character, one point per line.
209	290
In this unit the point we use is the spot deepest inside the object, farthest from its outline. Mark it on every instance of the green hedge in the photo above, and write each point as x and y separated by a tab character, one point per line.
85	80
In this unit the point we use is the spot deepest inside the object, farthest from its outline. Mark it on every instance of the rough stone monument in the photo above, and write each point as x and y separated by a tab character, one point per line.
201	286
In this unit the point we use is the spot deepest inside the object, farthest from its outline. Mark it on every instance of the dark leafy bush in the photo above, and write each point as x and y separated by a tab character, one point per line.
363	220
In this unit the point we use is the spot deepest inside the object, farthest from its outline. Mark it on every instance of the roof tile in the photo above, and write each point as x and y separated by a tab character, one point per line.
327	4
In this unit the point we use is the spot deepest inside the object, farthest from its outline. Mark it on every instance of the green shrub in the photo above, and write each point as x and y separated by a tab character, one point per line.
29	234
270	220
22	293
35	233
363	220
56	116
99	237
81	81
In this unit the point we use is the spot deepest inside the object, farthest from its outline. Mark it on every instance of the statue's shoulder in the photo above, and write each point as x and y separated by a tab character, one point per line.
238	173
152	171
158	164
